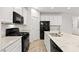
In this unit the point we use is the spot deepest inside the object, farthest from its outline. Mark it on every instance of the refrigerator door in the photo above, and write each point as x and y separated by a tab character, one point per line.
44	26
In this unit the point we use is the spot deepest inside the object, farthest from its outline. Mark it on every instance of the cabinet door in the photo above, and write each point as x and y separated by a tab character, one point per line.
15	47
45	18
35	28
56	20
25	15
47	41
18	10
59	20
52	20
42	18
6	14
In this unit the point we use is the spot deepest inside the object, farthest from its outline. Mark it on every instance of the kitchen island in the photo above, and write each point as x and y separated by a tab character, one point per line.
66	42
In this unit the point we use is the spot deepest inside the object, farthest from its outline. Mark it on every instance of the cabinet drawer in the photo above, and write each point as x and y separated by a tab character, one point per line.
15	47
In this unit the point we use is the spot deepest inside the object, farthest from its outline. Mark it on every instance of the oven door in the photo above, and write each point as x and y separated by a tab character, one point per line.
25	43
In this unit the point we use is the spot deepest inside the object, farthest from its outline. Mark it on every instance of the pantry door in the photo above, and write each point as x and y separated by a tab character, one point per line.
35	28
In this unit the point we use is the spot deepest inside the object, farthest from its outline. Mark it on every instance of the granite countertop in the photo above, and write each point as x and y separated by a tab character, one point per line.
6	41
67	42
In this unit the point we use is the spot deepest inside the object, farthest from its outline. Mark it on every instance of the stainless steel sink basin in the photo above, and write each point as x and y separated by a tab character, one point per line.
55	35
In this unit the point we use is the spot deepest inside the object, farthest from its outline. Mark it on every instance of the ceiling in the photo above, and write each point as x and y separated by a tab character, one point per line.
58	10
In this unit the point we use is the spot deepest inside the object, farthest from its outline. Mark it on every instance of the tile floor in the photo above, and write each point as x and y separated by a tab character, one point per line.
37	46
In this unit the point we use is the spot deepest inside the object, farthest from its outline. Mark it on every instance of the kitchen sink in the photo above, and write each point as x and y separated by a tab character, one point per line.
55	34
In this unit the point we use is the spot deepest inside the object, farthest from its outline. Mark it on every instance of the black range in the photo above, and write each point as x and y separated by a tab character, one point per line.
25	37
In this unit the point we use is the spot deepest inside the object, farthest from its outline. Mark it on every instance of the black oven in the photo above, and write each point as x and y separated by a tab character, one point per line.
24	39
17	18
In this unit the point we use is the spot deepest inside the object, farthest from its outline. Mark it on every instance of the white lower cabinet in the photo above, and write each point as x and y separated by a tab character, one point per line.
47	41
15	47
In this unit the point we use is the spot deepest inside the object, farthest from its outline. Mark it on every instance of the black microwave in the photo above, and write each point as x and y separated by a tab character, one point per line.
17	18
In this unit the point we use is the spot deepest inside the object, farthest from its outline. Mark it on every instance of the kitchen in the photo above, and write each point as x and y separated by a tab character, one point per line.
59	20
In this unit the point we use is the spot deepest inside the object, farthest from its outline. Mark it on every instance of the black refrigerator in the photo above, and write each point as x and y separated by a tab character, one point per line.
44	26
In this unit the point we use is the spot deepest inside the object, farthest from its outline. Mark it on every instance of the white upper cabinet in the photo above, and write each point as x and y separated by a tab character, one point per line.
19	10
57	20
25	16
44	18
54	20
6	14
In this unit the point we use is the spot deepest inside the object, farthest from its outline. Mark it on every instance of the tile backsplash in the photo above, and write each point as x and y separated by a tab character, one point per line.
55	28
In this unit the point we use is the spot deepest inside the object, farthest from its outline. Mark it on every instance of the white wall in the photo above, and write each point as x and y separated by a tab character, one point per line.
70	23
67	23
